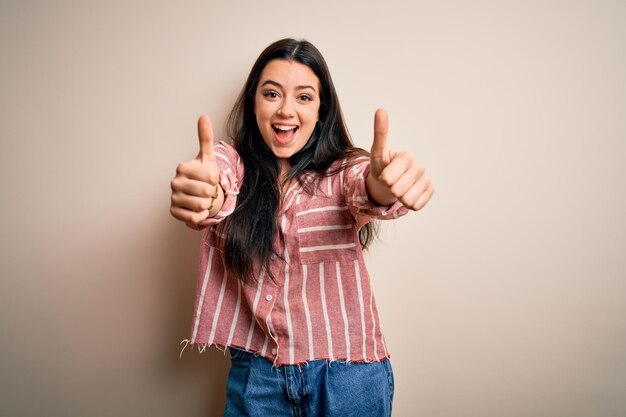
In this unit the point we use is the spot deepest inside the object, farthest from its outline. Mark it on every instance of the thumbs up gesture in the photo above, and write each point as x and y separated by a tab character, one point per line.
395	175
196	193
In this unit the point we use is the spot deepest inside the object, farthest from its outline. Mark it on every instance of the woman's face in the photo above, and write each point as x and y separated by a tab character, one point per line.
286	104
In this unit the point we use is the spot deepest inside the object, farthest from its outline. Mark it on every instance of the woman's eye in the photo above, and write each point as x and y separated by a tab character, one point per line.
306	98
270	94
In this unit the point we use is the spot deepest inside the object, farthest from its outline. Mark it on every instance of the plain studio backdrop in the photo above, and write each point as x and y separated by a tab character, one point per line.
505	296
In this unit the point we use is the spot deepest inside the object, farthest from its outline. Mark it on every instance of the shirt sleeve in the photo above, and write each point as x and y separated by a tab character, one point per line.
231	177
359	203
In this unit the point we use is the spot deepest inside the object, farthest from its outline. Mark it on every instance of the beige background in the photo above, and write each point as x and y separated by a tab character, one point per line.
506	296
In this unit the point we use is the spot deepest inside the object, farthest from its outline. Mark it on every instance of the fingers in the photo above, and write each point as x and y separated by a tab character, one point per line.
399	164
196	170
415	192
408	181
205	136
192	200
411	177
193	187
423	198
381	129
418	194
187	216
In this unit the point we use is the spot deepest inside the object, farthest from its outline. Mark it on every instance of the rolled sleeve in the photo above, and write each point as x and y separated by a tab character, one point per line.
359	203
231	176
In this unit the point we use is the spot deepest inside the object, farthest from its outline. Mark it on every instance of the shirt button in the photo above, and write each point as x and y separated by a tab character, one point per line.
268	297
274	352
273	256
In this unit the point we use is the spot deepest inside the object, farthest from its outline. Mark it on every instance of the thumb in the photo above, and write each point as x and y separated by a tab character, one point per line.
381	128
205	136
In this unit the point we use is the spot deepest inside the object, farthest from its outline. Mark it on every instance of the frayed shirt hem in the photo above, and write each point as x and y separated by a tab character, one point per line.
202	347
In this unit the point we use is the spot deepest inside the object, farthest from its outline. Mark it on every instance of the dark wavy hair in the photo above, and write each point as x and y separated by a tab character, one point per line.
250	230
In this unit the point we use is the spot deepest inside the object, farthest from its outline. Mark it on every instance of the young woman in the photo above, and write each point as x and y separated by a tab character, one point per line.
285	212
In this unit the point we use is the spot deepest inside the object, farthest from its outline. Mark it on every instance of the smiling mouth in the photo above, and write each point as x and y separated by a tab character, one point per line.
285	133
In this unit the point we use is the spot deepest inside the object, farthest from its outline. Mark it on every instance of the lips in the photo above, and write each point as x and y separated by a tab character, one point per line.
285	133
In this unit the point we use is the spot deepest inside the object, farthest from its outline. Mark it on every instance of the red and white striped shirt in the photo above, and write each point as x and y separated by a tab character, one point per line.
321	305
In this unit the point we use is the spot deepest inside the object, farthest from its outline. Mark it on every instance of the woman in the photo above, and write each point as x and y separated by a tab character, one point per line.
286	210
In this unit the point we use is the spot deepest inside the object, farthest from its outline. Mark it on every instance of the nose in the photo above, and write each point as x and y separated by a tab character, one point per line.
286	108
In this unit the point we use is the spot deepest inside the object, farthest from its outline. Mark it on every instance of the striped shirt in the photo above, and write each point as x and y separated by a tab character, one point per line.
320	304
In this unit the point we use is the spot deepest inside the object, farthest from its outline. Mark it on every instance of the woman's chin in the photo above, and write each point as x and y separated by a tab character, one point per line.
283	153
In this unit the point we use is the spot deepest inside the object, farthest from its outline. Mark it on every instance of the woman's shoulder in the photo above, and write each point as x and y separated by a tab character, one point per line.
226	151
226	147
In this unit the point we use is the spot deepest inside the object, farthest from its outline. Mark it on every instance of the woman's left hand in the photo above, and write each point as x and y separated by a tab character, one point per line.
395	175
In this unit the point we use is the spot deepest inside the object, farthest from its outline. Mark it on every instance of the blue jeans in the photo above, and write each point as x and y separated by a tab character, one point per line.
317	388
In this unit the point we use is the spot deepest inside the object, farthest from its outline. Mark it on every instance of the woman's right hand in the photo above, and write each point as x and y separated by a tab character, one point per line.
196	193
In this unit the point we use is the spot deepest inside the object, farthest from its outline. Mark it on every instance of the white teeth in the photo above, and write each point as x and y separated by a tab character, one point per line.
281	127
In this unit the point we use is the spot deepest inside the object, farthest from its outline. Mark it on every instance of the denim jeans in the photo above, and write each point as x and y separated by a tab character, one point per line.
318	388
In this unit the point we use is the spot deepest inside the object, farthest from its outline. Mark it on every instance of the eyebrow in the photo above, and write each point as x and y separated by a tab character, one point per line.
299	87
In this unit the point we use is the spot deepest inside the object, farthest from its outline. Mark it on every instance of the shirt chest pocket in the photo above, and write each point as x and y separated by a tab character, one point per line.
326	232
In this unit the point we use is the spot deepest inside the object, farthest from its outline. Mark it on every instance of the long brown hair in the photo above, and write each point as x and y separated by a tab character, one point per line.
251	228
